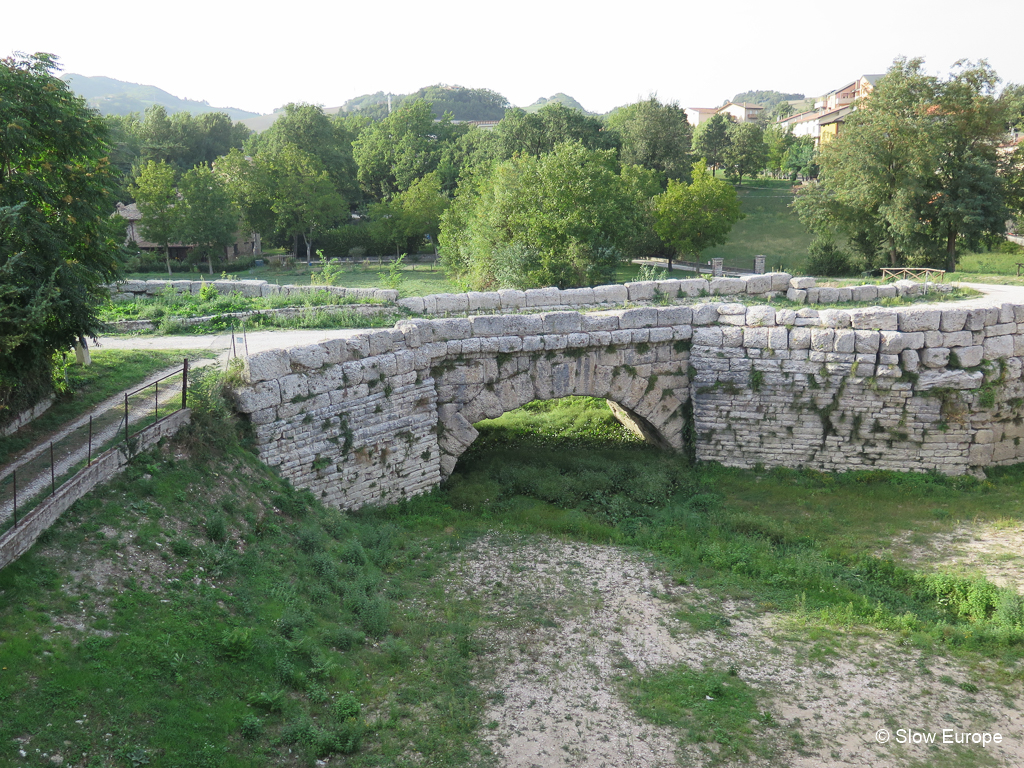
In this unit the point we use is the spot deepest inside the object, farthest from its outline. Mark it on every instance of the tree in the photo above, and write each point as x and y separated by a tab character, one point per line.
747	154
208	218
535	134
694	217
303	196
654	135
423	204
563	218
58	244
157	200
914	170
777	141
711	140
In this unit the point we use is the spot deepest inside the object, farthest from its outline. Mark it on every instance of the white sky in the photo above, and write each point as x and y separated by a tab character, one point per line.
258	55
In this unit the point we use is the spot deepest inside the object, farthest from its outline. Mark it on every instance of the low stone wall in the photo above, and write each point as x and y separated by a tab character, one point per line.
366	310
136	290
18	540
26	417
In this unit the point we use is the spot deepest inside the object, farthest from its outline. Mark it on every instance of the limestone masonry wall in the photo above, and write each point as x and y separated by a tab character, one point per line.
384	414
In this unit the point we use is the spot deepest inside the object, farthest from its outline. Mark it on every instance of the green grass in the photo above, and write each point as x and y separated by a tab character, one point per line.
245	625
771	228
111	371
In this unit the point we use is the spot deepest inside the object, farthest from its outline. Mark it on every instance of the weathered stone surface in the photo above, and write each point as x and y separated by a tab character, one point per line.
797	295
643	291
911	320
610	294
512	299
780	281
760	316
758	284
802	283
727	286
998	347
935	357
483	301
447	303
694	286
562	322
874	318
261	395
264	366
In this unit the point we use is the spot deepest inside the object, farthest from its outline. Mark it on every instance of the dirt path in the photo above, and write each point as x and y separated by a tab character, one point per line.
568	621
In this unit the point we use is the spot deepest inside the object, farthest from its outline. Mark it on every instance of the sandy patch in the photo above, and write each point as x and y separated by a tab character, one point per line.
567	619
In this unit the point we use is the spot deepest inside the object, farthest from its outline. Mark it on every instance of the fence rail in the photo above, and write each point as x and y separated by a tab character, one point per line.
35	476
913	273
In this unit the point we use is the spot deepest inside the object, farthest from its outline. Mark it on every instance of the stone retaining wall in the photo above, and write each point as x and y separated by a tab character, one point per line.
135	290
385	414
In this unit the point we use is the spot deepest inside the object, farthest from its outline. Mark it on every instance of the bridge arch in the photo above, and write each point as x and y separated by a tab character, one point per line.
646	384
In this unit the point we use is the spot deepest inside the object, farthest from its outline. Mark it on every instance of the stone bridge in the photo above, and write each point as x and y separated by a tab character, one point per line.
381	415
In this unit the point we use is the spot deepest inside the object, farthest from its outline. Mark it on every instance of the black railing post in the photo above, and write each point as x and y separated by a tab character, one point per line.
184	383
126	417
53	476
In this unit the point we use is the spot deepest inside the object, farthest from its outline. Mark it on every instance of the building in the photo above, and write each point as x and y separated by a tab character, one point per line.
825	122
698	115
246	243
742	113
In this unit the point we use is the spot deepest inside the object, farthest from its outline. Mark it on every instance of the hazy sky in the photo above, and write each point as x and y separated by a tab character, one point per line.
258	56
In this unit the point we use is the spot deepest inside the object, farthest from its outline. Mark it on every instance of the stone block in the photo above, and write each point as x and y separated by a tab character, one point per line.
892	343
913	340
413	304
934	338
827	296
800	338
671	316
448	303
952	320
694	286
707	337
488	325
758	284
834	318
294	386
932	379
727	286
886	291
822	339
844	294
970	357
562	322
668	288
263	394
785	317
156	287
934	357
705	314
512	299
998	347
866	342
251	289
263	366
802	283
447	329
643	291
865	292
641	317
599	321
576	297
488	301
543	297
845	341
611	294
797	295
306	358
1000	329
755	338
911	320
977	319
134	286
778	338
732	337
760	316
780	280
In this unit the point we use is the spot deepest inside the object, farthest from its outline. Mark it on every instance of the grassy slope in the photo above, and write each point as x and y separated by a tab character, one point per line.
226	619
771	228
111	372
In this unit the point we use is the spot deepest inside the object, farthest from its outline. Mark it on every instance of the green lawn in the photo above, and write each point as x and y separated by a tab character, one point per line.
771	228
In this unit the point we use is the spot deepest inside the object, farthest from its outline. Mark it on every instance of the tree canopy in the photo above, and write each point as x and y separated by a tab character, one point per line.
58	245
654	135
914	170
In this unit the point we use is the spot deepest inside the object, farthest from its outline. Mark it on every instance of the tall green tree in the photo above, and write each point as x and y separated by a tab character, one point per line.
58	244
693	217
564	218
304	197
156	196
711	140
209	220
914	170
655	136
520	132
747	154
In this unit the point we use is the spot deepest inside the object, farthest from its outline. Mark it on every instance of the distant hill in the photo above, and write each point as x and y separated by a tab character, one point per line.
558	98
767	99
116	97
260	123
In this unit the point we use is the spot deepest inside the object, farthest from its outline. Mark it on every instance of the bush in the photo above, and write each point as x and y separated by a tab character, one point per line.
347	707
825	258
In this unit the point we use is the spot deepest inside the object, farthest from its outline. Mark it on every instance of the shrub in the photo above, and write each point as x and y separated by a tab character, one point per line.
825	258
237	643
252	727
347	707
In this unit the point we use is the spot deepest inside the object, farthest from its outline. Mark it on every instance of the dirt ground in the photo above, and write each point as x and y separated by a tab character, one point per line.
568	620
